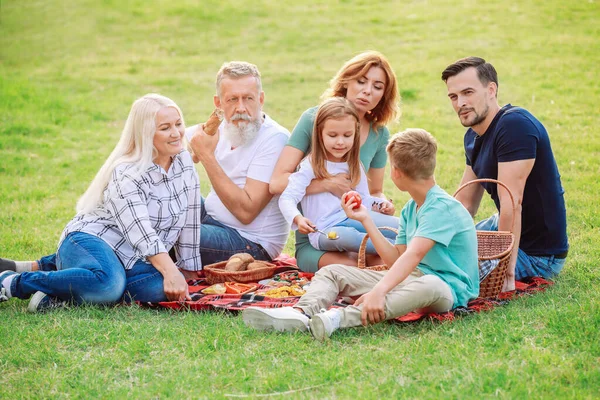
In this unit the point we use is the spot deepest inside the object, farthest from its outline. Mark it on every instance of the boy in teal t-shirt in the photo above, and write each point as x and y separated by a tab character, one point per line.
433	264
453	256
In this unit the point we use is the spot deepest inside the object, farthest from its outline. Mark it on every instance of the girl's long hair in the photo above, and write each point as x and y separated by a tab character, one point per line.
134	147
387	109
335	108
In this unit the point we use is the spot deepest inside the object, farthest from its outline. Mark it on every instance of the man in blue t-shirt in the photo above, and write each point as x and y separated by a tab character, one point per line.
510	145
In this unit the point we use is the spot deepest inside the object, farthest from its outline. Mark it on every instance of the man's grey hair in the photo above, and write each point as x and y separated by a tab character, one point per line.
237	70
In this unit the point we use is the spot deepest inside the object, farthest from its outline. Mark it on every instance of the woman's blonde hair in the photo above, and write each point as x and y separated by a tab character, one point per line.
335	108
136	146
387	108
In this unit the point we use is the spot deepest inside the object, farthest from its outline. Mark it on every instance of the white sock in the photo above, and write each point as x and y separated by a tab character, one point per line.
336	317
24	266
6	285
17	266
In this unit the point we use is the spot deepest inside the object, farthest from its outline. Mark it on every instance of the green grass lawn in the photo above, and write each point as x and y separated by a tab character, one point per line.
69	71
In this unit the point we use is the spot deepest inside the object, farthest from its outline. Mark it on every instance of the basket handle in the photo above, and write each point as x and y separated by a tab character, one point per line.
497	182
362	250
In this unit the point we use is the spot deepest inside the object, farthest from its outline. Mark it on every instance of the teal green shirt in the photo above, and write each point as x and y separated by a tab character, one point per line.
372	152
453	257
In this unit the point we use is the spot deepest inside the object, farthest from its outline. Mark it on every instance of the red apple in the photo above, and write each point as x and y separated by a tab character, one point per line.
354	197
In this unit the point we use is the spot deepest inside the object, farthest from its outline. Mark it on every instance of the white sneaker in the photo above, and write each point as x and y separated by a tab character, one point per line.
284	319
4	292
41	302
325	323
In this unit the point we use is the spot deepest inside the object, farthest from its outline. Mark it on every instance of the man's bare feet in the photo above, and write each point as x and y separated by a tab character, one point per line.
509	284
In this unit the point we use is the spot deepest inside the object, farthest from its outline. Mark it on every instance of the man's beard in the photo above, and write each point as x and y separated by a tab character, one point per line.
477	118
242	133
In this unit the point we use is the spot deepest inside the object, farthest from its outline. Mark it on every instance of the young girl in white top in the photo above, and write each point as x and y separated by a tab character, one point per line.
334	150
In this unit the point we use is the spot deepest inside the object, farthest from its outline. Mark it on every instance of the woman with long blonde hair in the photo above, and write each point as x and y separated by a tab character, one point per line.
144	201
368	81
334	150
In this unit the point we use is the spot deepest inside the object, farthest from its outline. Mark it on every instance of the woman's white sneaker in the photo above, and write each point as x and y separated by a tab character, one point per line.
5	288
41	302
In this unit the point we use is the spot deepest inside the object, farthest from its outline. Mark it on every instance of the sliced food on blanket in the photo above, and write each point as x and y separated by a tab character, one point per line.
286	279
239	288
283	291
218	288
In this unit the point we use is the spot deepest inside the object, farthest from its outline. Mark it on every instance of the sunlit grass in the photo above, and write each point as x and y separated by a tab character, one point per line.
69	72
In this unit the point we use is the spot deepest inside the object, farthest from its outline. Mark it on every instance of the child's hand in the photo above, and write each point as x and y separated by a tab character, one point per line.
387	208
373	310
359	214
304	224
338	184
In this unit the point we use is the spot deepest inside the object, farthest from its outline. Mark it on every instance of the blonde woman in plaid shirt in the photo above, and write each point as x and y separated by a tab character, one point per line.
144	201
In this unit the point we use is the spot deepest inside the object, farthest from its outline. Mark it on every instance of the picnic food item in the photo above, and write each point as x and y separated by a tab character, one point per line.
210	127
284	291
234	264
239	262
212	124
245	257
288	278
216	273
238	288
218	288
256	265
354	197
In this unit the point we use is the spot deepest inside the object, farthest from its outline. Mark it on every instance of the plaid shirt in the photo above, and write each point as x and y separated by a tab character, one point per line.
146	215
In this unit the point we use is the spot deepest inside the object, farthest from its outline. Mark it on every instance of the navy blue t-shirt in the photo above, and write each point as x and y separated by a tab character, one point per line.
513	135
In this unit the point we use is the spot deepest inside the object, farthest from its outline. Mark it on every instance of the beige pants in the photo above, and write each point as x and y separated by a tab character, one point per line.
416	292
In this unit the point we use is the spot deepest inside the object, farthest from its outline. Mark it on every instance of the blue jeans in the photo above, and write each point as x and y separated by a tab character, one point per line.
218	242
86	270
527	266
352	232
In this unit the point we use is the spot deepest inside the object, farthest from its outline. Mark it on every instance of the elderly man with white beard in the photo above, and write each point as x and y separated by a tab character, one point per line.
239	214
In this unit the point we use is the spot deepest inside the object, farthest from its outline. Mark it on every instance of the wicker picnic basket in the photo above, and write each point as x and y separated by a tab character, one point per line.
215	273
494	245
362	253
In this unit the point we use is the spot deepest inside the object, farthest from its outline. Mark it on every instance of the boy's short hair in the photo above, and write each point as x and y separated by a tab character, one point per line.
413	151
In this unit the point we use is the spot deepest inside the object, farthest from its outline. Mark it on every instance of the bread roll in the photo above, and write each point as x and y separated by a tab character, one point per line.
235	264
238	262
245	257
256	265
212	125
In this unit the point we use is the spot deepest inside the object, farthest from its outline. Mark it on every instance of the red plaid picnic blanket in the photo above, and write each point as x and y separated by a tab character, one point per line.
235	302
